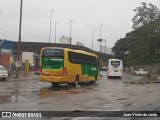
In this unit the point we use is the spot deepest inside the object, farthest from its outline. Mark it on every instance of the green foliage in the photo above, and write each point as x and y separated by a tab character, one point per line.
145	14
121	49
140	46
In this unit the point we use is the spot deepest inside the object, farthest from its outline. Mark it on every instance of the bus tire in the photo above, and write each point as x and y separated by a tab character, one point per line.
76	81
95	77
92	82
55	84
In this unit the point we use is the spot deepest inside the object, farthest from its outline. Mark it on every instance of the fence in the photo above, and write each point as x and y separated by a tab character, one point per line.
153	69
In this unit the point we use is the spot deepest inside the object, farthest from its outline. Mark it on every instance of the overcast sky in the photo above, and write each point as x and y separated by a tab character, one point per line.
115	15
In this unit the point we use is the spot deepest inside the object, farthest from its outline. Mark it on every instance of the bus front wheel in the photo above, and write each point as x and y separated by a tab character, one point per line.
92	82
55	84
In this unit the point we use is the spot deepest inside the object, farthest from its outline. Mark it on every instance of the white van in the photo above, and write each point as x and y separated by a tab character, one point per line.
114	68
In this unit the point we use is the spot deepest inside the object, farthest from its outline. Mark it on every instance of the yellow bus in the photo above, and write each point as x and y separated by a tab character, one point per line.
64	65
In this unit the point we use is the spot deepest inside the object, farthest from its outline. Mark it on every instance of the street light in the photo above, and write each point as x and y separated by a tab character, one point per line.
55	31
100	40
50	25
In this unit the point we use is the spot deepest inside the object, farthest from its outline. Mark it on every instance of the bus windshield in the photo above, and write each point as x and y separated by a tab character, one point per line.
53	53
52	58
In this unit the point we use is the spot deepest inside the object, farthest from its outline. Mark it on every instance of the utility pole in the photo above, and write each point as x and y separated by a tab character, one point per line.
50	26
19	39
92	38
55	31
100	30
71	31
105	47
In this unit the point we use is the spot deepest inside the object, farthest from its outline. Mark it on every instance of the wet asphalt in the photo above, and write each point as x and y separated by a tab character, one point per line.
105	95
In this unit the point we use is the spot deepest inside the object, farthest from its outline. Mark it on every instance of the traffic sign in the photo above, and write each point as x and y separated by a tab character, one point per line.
18	64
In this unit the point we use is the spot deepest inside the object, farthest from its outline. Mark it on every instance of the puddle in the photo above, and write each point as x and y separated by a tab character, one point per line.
5	99
21	91
121	98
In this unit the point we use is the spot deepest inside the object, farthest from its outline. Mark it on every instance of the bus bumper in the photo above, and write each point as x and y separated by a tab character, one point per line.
53	79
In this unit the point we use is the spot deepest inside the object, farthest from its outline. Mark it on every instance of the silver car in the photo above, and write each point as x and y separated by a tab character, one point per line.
3	73
141	72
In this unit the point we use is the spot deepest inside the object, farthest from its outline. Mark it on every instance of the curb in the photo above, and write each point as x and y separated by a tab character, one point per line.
142	82
23	77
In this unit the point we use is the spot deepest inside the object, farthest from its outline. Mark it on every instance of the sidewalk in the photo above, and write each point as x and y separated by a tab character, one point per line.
23	76
133	79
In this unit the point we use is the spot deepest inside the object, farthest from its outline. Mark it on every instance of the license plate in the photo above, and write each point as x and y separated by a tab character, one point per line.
115	70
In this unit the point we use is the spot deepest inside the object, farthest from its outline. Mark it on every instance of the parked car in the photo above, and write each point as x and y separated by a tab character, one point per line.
141	72
3	73
104	68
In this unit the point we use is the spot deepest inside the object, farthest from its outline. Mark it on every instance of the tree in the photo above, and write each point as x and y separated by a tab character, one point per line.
121	49
145	14
140	46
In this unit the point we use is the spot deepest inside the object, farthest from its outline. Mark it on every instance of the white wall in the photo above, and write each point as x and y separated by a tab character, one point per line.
27	56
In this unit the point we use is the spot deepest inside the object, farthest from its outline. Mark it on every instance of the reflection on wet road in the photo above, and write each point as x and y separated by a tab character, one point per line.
13	91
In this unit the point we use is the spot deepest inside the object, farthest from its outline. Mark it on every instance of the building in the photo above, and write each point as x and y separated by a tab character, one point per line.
79	44
7	55
65	40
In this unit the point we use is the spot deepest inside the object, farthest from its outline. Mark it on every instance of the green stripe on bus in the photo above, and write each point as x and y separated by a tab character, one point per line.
52	63
90	70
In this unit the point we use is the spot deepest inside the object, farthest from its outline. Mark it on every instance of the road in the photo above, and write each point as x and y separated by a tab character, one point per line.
104	95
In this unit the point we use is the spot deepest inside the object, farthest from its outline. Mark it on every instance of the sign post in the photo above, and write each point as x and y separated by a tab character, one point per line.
18	64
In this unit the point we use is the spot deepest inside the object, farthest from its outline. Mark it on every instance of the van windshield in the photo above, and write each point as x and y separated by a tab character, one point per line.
115	64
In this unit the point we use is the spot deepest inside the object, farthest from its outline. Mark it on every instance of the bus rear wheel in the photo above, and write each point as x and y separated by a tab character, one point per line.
76	82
